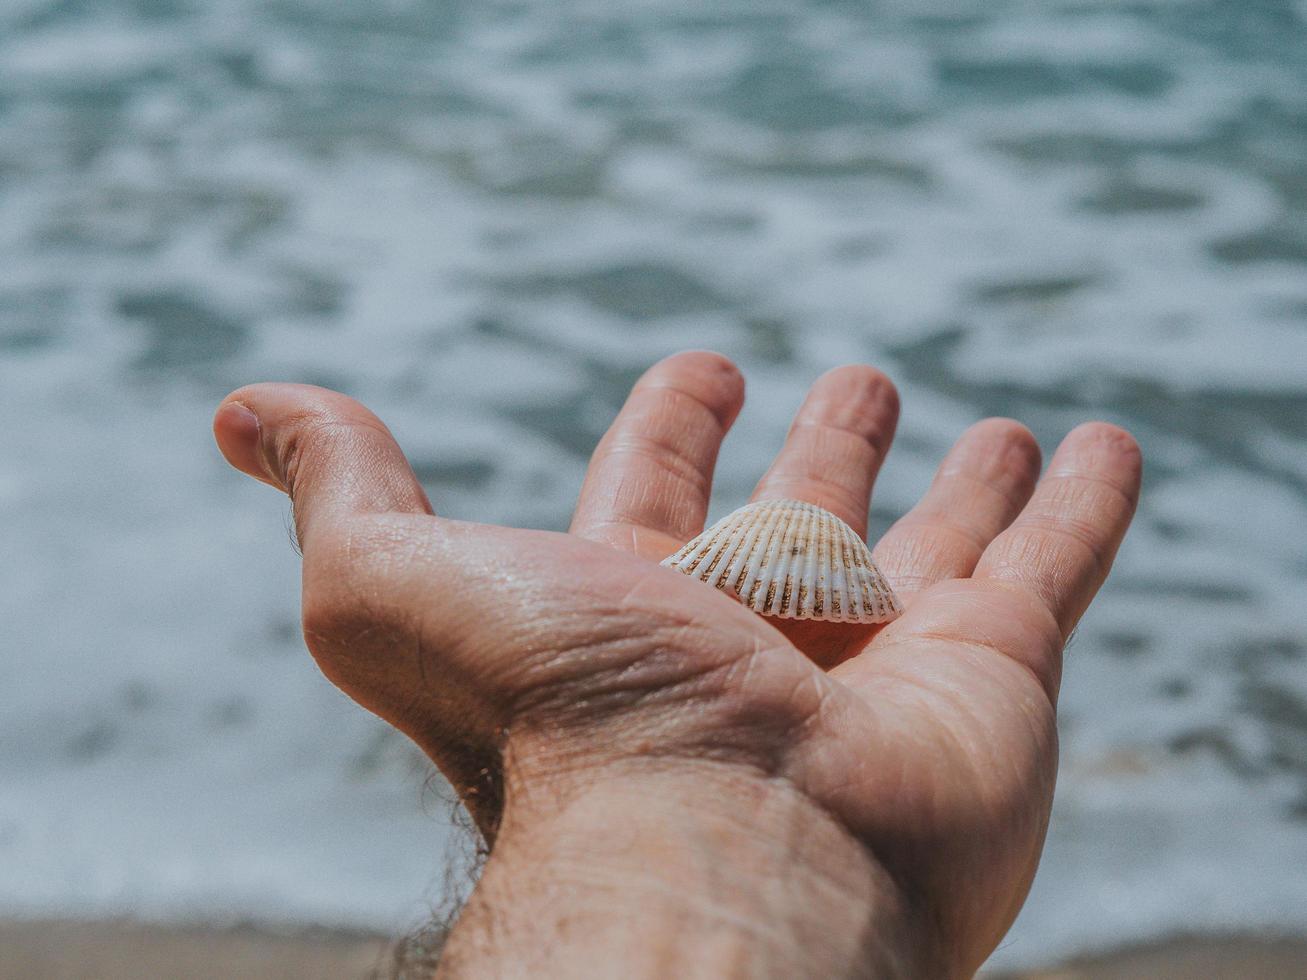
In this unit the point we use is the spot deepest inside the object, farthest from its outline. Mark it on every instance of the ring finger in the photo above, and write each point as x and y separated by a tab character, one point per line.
981	486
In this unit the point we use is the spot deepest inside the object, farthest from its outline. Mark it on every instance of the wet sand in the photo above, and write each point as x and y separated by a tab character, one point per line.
130	951
1211	958
122	950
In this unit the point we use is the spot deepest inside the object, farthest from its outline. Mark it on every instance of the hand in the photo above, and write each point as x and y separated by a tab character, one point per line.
802	799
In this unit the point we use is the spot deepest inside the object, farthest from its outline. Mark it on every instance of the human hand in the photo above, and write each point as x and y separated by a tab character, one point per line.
839	800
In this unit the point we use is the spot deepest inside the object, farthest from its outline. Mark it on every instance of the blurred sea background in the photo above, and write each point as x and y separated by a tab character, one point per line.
485	219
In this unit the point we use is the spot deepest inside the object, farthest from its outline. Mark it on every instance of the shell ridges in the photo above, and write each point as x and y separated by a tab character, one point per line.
792	560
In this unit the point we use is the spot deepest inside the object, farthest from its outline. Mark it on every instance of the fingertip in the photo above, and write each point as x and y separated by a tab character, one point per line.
1113	436
1106	433
860	381
704	358
856	397
709	377
1103	448
239	435
855	375
1008	430
249	422
1011	446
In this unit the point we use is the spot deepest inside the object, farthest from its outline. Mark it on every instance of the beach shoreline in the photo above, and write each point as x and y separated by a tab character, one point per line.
117	950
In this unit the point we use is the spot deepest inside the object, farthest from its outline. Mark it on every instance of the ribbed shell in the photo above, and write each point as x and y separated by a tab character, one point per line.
793	560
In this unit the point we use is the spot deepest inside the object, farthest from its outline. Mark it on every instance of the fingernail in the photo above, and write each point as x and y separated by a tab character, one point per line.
240	437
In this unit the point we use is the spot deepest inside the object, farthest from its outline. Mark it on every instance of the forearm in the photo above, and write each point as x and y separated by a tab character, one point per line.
708	874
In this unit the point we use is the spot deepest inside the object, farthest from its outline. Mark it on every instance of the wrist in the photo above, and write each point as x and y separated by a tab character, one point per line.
682	869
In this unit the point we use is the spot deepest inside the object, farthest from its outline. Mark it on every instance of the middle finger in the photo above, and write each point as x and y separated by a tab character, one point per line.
836	445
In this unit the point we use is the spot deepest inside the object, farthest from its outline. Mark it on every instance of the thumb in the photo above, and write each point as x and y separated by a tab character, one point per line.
338	463
332	456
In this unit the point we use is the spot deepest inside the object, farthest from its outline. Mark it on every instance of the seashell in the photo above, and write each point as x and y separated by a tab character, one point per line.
793	560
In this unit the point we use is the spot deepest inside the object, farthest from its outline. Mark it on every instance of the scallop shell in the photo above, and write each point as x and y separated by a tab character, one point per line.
793	560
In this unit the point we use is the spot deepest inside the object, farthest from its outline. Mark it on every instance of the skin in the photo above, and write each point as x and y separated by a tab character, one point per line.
672	784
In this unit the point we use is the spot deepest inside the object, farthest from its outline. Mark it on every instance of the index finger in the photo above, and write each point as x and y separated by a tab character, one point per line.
1062	544
650	477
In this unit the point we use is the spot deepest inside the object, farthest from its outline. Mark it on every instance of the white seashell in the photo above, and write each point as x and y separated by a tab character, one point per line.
793	560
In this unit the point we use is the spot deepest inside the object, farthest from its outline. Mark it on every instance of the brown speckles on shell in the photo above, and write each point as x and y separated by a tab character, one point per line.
791	559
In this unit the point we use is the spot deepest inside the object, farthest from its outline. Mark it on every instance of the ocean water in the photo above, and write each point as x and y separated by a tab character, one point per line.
484	219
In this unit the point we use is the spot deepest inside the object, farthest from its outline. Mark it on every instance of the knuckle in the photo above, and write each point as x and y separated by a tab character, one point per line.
345	577
314	432
942	534
298	440
846	503
321	619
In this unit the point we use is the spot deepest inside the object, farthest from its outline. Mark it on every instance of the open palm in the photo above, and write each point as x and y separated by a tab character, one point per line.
932	740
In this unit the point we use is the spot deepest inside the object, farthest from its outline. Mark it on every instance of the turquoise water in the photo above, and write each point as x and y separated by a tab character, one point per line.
485	219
